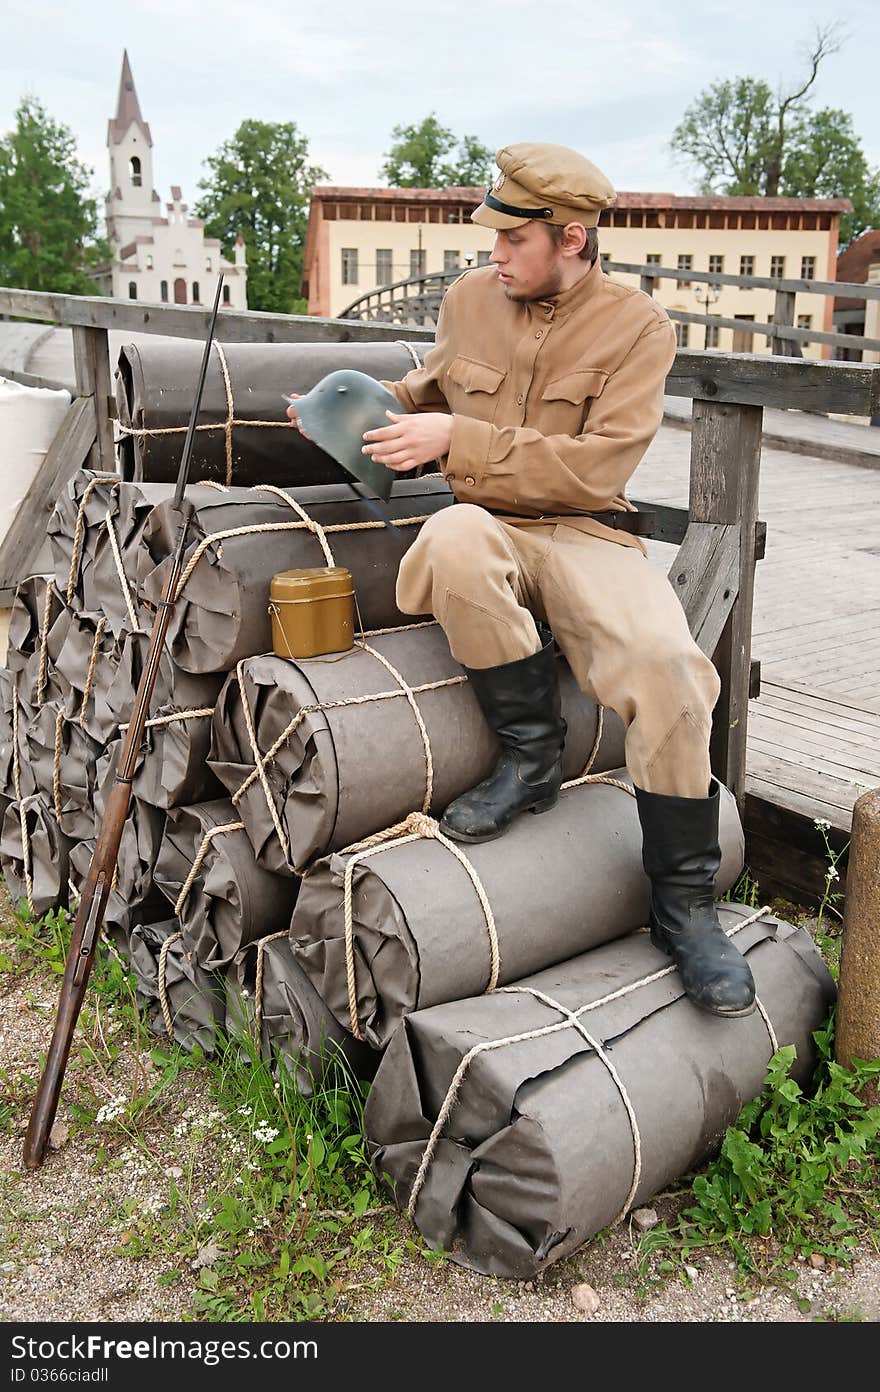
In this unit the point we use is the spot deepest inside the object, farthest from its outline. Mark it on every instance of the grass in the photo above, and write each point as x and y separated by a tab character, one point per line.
262	1204
266	1206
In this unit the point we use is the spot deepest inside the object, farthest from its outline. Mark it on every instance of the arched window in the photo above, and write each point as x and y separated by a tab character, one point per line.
195	292
163	291
208	264
132	290
135	171
149	261
226	296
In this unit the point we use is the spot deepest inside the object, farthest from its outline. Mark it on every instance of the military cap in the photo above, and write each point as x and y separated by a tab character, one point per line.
550	183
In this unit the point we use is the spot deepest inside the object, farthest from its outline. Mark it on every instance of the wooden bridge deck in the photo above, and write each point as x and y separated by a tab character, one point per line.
814	731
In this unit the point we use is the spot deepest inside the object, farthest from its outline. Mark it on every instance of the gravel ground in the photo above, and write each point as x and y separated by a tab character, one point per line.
63	1256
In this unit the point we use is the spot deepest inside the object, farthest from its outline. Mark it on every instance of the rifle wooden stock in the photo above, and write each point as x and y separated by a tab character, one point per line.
93	901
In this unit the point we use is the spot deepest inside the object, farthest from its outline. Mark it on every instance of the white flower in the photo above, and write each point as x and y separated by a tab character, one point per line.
266	1134
831	873
821	824
111	1110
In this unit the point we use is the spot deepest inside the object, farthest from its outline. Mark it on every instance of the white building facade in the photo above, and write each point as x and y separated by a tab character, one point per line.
162	259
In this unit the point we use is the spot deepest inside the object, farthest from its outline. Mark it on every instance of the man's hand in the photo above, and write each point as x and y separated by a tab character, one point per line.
294	418
410	440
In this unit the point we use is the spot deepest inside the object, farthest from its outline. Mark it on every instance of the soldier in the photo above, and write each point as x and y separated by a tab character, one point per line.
539	398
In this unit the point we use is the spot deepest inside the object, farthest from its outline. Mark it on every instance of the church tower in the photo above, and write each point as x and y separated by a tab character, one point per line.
161	259
132	202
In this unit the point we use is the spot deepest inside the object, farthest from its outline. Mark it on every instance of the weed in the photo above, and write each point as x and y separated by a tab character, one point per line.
797	1174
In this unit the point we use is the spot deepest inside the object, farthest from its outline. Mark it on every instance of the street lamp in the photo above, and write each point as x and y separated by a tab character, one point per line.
706	295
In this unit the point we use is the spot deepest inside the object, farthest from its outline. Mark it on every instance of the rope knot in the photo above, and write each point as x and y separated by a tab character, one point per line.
419	824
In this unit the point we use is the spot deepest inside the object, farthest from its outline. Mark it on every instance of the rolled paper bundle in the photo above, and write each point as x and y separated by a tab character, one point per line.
38	623
344	765
64	760
180	1000
34	856
222	613
515	1126
243	436
172	767
551	887
94	531
16	774
87	658
207	872
271	1000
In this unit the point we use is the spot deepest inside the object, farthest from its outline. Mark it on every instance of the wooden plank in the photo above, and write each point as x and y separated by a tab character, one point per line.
91	363
784	872
804	287
801	781
791	748
725	458
705	576
757	380
855	748
793	704
65	455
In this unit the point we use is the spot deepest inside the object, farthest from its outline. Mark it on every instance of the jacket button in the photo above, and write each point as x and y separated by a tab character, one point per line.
470	480
451	478
539	334
519	400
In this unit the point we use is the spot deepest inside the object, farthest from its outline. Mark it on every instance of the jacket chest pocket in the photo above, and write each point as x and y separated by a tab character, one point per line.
577	388
474	388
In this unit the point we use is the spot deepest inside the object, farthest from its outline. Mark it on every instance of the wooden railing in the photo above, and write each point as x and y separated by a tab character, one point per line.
418	300
719	536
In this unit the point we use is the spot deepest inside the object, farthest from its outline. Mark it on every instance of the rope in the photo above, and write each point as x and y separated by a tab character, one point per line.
174	716
44	640
230	412
413	705
26	853
258	987
417	362
259	767
255	528
163	997
114	481
99	633
313	526
571	1019
415	827
120	570
200	856
262	760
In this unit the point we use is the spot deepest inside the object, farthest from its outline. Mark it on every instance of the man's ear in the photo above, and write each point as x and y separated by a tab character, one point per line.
574	238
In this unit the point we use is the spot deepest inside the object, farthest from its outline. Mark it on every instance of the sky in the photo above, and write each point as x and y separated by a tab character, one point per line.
610	80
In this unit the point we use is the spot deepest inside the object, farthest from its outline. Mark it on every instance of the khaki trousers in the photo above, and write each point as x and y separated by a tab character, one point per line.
615	616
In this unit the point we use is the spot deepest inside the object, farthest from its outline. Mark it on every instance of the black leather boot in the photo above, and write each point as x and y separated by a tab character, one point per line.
681	856
521	703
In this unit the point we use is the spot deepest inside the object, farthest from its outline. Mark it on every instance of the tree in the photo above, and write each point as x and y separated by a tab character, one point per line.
48	221
259	185
744	139
416	158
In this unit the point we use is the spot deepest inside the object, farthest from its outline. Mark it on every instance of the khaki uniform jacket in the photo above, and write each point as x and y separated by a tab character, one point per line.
555	401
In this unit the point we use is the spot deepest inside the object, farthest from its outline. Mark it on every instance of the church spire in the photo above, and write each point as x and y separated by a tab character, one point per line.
127	107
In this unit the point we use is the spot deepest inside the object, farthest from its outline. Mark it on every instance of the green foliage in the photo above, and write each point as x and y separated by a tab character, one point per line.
416	158
259	184
797	1174
744	139
48	221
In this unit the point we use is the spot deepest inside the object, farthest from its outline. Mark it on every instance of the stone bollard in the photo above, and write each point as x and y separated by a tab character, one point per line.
857	1032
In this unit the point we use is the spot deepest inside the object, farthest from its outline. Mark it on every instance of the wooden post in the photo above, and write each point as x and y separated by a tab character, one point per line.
783	314
91	361
725	463
857	1032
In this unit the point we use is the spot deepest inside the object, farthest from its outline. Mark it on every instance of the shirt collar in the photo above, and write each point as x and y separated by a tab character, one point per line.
567	301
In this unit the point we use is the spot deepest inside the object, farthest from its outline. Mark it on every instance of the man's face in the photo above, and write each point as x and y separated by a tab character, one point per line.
529	262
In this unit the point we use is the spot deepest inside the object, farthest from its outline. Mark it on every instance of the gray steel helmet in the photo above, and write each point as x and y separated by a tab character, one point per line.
337	411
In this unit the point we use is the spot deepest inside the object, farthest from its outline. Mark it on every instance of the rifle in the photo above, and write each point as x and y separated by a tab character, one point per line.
93	899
